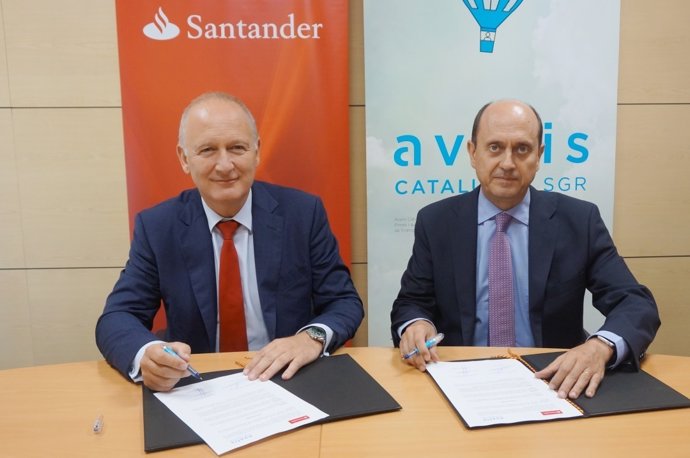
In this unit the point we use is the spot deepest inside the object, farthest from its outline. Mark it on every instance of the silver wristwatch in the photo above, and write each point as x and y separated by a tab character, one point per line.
611	345
317	334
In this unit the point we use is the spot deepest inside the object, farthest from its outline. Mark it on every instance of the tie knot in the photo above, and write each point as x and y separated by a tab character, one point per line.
502	221
228	228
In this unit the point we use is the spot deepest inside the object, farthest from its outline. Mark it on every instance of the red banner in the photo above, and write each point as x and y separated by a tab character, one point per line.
287	60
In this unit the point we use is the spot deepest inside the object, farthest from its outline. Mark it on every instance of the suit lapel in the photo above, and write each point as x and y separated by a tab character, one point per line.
543	230
463	236
197	252
268	242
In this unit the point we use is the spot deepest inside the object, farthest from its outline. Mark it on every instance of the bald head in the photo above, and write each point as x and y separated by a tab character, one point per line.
517	104
213	96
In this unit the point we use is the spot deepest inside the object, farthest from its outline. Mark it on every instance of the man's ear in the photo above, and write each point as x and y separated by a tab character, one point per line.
471	149
540	153
183	159
258	151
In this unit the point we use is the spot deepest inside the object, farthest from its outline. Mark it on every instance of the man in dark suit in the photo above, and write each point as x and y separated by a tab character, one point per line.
299	300
559	247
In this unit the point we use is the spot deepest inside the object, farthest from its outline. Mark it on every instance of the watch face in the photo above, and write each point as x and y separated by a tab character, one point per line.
317	334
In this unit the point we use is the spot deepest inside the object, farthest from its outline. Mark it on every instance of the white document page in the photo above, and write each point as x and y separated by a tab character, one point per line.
231	411
498	391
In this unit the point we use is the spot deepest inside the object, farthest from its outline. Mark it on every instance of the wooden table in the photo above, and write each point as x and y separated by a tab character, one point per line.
49	411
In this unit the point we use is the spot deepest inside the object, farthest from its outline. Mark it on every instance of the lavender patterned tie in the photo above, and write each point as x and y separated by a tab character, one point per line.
501	308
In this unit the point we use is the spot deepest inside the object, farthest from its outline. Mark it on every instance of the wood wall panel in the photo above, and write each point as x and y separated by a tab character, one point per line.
72	183
359	278
11	236
652	206
356	53
4	79
15	321
358	185
65	304
667	278
654	42
62	53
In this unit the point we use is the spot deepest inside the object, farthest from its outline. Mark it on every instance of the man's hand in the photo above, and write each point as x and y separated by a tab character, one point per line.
293	352
580	367
415	336
161	370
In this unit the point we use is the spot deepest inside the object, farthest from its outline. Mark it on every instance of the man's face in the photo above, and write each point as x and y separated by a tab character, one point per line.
221	153
507	153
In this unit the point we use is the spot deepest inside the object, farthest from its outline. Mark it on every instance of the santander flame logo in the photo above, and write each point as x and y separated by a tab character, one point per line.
161	28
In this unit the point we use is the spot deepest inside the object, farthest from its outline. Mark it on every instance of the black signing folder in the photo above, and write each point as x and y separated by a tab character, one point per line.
336	384
621	391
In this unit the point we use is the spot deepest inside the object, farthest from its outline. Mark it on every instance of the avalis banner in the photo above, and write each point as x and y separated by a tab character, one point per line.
288	60
430	66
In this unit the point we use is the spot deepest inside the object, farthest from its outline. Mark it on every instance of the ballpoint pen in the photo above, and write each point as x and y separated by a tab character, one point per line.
98	425
428	344
191	370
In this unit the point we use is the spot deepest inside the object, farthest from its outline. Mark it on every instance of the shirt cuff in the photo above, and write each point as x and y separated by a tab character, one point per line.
135	368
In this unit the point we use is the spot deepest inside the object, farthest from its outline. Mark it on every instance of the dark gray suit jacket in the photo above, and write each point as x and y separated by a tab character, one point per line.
570	250
300	275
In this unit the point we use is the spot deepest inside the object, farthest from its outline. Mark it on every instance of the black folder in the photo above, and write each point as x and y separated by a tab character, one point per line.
620	392
336	385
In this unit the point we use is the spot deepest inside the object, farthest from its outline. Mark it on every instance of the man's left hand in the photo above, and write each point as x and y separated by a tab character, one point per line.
579	368
293	352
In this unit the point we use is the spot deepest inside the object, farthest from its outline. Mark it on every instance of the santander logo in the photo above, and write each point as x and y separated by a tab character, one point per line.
199	28
161	28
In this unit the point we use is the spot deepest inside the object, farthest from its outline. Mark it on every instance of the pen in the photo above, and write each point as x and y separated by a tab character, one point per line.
428	344
98	425
191	370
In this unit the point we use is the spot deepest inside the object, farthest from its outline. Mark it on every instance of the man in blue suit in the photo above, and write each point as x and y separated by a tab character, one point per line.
299	300
559	247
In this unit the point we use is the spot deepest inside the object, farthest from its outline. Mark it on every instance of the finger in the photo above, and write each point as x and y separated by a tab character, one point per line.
158	383
182	349
295	365
420	343
557	379
425	354
434	354
580	384
257	366
163	365
594	384
549	370
274	367
406	349
419	362
158	359
569	380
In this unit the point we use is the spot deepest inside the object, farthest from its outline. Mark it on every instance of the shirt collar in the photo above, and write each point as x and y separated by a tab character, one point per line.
486	210
244	216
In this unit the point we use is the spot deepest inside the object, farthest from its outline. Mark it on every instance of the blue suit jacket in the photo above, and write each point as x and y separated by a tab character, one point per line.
300	275
570	250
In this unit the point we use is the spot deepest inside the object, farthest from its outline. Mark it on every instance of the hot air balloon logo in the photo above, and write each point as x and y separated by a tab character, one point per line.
490	14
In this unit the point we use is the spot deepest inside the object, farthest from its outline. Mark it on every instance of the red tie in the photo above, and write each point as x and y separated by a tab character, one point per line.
233	330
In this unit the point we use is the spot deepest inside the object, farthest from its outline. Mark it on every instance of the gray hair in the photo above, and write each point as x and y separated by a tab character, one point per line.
215	95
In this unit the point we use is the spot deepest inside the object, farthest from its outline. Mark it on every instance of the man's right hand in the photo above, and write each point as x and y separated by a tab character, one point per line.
415	336
161	370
